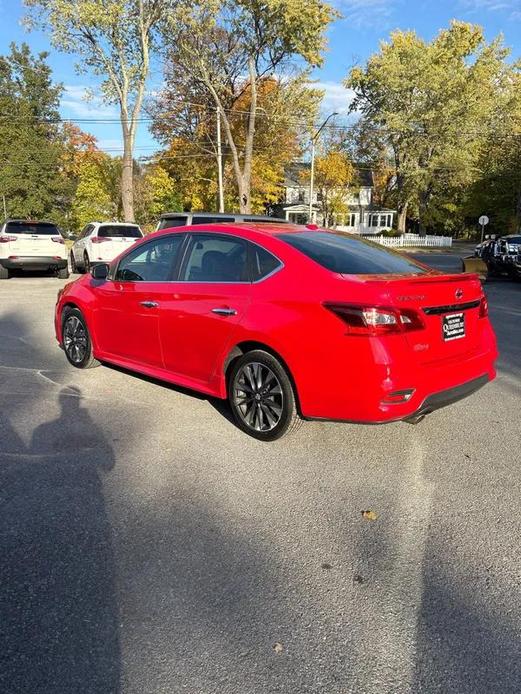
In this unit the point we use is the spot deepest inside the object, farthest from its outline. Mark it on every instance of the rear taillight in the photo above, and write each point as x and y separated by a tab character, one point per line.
483	307
7	239
57	239
99	239
376	320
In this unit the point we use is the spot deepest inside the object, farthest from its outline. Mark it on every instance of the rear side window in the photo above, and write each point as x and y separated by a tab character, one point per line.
215	258
170	222
348	255
212	220
42	228
118	231
263	263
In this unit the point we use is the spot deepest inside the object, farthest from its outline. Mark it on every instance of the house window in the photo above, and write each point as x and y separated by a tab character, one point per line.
301	196
382	220
352	220
374	220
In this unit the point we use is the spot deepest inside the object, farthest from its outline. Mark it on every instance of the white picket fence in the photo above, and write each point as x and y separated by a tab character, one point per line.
411	240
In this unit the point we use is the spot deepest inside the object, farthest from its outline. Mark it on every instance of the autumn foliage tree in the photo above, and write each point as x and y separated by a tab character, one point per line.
187	127
225	48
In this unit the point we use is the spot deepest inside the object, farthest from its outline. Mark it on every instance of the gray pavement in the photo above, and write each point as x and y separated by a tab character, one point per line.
150	547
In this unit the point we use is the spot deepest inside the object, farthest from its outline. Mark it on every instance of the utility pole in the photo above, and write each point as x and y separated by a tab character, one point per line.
220	162
312	178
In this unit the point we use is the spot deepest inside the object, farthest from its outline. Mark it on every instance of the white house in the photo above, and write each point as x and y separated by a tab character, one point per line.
363	217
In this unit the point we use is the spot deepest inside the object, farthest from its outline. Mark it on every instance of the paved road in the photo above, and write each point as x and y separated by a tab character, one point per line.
149	547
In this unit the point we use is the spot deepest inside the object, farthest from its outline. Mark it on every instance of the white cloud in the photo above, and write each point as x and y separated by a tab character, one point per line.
336	97
510	7
75	100
367	14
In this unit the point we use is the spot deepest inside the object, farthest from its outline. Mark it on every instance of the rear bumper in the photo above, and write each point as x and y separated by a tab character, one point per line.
362	390
33	262
450	396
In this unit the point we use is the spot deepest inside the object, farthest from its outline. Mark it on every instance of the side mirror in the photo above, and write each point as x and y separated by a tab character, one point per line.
100	271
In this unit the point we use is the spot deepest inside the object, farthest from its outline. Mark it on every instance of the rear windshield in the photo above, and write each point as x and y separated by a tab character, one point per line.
119	232
349	255
169	222
42	228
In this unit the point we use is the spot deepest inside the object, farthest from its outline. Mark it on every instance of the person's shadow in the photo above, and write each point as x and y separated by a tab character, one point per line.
58	609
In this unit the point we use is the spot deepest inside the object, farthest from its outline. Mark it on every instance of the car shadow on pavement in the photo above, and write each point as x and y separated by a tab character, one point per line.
58	608
221	406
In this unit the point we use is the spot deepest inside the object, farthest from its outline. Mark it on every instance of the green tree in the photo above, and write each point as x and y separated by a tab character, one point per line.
113	39
428	105
225	48
157	194
31	142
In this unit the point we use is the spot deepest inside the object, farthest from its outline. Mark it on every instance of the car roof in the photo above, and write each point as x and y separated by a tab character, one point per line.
118	224
224	215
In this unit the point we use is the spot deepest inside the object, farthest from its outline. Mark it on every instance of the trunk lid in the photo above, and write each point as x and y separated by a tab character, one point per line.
449	306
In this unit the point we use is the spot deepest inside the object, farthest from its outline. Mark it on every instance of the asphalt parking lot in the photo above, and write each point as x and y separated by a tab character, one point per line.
149	547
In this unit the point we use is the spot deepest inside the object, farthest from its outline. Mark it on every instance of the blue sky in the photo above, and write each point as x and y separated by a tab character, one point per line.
351	39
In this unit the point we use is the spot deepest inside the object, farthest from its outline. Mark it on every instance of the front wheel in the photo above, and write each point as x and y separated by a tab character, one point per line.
63	273
86	264
261	396
76	340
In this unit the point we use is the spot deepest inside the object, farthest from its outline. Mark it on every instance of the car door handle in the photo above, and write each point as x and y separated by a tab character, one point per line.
149	304
225	311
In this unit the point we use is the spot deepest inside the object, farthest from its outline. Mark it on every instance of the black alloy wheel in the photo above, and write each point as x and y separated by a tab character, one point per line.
261	396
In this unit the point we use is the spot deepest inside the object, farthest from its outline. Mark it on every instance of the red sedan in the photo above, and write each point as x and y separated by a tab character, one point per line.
286	322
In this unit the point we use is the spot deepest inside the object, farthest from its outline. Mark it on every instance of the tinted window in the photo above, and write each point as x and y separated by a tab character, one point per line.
349	255
171	222
119	231
152	262
264	220
263	263
42	228
211	220
215	258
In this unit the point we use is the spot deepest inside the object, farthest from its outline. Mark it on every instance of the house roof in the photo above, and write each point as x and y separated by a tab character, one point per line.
293	174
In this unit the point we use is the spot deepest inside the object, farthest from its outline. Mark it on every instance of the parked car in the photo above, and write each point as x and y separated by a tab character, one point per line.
168	220
500	254
369	336
32	245
101	242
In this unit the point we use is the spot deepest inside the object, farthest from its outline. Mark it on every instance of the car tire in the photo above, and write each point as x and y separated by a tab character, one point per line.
63	273
79	350
74	269
261	396
4	273
86	263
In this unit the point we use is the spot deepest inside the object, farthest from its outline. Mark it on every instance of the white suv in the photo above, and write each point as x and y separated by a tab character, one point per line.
101	242
32	246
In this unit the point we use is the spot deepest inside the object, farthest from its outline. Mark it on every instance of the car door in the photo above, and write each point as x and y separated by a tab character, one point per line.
206	304
129	305
79	245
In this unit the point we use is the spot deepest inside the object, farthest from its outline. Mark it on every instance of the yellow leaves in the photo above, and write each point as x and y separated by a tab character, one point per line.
369	515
